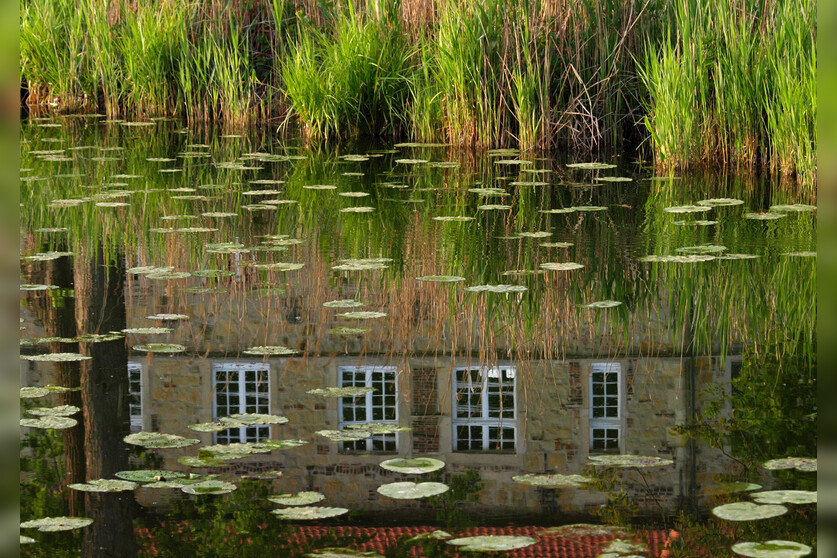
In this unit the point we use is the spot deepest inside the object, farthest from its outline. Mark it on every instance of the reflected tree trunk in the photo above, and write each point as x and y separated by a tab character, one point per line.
100	308
56	309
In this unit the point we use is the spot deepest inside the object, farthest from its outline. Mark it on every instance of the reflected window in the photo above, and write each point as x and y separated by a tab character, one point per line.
484	416
241	388
135	395
379	406
606	407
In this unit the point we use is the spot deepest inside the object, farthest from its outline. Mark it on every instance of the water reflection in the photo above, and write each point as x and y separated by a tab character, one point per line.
485	357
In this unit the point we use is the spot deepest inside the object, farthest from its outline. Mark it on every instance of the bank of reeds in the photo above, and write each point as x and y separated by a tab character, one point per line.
735	82
729	83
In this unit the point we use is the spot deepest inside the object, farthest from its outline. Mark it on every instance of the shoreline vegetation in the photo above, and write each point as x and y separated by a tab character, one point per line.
719	83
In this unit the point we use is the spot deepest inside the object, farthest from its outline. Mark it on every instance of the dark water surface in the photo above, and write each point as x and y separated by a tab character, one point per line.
496	311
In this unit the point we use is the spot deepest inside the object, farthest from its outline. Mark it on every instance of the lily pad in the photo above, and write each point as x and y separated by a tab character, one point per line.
492	543
807	464
347	303
795	207
55	423
168	317
412	490
748	511
344	330
414	466
46	256
33	287
717	202
271	350
687	208
591	166
167	348
441	278
602	304
209	487
254	418
362	315
337	552
49	524
733	487
497	288
565	266
764	216
785	497
58	411
614	179
279	266
197	461
214	426
359	209
149	475
771	549
703	249
582	530
298	499
307	513
692	258
27	540
623	548
56	357
553	481
344	435
629	461
104	485
159	440
555	244
453	218
147	330
32	392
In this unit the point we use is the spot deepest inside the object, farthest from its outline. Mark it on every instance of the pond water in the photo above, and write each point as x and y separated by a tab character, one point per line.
544	341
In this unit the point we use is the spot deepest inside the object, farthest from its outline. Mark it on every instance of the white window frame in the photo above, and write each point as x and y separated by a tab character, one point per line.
242	368
136	422
607	423
369	405
484	420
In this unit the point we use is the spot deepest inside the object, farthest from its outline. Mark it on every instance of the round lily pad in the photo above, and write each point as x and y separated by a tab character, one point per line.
56	423
209	487
795	207
692	258
614	179
360	209
159	440
553	481
48	524
58	411
582	530
566	266
785	497
349	391
168	348
733	487
298	499
764	216
46	256
149	475
497	288
168	317
147	330
703	249
441	278
56	357
27	540
771	549
713	202
623	549
591	166
163	275
748	511
214	426
31	287
629	461
196	461
412	490
309	512
799	463
348	303
453	218
492	543
362	315
337	552
344	330
687	208
414	466
31	392
104	485
602	304
274	350
344	435
254	418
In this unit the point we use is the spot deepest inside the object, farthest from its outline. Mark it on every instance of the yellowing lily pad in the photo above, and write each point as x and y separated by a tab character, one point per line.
413	466
159	440
56	423
785	497
49	524
565	266
492	543
104	485
209	487
799	463
56	357
629	461
308	513
553	481
273	350
412	490
772	549
167	348
748	511
348	391
298	499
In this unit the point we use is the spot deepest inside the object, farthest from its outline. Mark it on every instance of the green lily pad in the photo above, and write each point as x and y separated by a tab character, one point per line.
214	426
692	258
46	256
703	249
412	490
273	350
344	435
795	207
344	330
489	192
802	254
209	487
159	440
166	275
553	481
56	357
614	179
413	466
197	461
168	317
378	428
309	513
733	487
748	511
298	499
772	549
591	166
27	540
494	207
441	278
582	530
737	256
717	202
147	269
32	392
453	218
555	244
362	315
359	209
497	288
337	552
149	475
55	423
807	464
687	208
50	524
254	418
602	304
629	461
348	303
363	264
167	348
33	287
492	543
353	194
58	411
234	451
764	216
147	330
279	266
623	548
785	497
437	535
348	391
270	445
565	266
695	223
104	485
